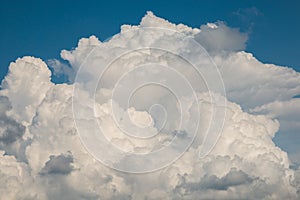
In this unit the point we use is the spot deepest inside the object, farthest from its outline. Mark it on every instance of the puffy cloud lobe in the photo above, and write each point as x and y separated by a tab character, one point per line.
219	37
288	114
285	111
36	118
28	78
251	83
16	181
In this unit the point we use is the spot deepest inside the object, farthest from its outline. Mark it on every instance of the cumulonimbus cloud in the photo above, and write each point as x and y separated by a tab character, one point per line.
45	126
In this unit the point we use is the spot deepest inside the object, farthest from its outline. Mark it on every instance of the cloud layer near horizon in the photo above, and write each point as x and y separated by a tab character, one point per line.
42	156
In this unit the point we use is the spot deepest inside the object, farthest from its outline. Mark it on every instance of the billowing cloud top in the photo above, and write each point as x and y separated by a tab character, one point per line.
187	106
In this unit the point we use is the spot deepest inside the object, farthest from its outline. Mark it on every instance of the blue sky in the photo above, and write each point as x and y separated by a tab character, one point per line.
44	28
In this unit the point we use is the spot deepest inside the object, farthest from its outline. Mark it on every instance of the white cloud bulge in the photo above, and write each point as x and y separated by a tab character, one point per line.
210	135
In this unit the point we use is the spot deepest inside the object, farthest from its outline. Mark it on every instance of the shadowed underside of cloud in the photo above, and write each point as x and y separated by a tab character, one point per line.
42	156
232	179
58	165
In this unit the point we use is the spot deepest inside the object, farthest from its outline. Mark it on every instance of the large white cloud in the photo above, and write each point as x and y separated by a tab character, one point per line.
43	157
